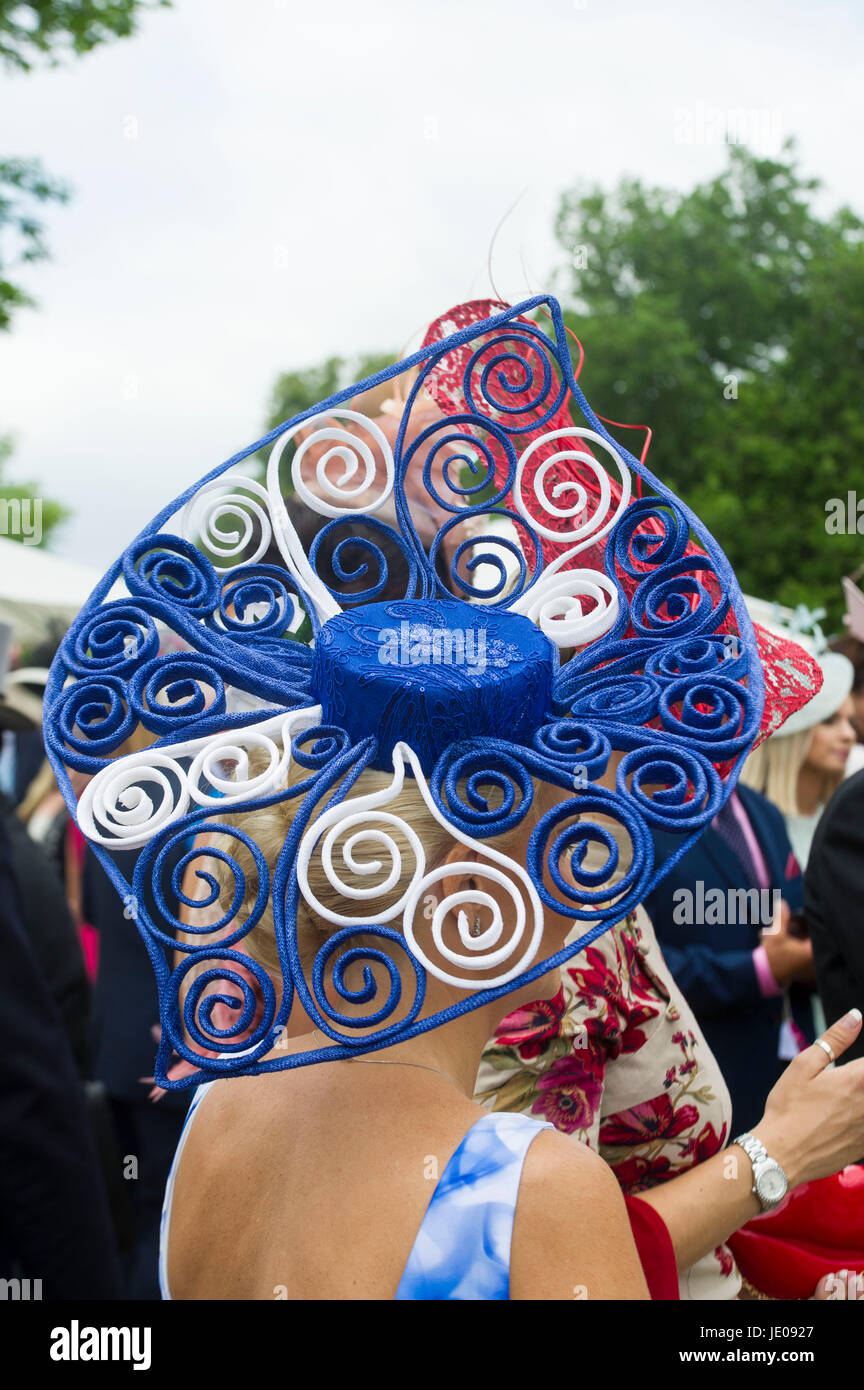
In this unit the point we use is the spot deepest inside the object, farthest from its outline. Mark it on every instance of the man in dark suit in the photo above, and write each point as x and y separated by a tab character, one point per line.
834	904
54	1221
733	976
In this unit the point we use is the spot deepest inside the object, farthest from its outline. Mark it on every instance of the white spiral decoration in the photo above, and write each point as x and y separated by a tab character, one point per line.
246	505
596	525
367	835
134	798
356	454
483	952
128	802
480	953
555	604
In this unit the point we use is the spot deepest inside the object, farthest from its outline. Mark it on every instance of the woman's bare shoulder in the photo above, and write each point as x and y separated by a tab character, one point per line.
572	1237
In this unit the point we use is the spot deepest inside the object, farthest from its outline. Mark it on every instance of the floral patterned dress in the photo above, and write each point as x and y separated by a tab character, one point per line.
618	1061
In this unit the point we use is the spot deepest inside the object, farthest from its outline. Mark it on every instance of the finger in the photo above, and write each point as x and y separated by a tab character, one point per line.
779	921
837	1038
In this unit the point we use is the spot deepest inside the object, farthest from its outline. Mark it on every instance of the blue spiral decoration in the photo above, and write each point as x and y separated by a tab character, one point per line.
174	570
590	895
193	1023
150	879
461	445
521	354
631	550
486	546
485	767
96	707
357	558
723	654
714	711
630	698
249	587
112	640
686	791
340	955
316	748
170	692
574	744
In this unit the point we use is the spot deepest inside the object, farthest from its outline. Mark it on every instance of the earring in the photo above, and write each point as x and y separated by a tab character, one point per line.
475	925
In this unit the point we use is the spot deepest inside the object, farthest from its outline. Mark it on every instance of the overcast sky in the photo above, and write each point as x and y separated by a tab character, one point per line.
260	184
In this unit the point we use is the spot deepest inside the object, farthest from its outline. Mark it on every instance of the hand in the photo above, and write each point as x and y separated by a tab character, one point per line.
814	1117
789	958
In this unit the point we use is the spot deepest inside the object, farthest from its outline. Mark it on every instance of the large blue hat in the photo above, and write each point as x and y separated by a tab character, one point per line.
471	597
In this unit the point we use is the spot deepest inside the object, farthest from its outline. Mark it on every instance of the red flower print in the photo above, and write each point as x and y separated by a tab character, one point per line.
641	982
532	1027
669	1077
704	1145
603	1031
645	1123
596	978
569	1092
635	1174
632	1038
724	1257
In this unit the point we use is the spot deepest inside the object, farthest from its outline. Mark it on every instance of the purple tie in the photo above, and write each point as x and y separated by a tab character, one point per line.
727	827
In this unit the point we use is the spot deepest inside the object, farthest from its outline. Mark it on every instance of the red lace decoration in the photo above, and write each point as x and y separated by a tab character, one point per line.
792	677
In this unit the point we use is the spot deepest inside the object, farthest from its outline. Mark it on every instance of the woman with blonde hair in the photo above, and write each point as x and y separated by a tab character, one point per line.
801	766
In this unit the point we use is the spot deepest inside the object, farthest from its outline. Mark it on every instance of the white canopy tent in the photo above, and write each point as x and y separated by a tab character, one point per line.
37	588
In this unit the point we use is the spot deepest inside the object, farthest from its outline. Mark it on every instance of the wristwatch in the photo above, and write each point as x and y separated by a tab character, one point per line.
769	1181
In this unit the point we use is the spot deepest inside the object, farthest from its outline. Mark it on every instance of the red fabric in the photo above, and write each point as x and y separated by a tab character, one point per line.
88	935
88	938
792	677
654	1247
818	1230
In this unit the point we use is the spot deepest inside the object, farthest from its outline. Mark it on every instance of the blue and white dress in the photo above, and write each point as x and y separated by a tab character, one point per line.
462	1250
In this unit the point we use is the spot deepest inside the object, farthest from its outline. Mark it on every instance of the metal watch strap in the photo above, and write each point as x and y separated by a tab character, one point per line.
753	1148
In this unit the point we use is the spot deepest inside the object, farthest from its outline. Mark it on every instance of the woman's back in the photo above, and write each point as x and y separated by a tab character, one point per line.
317	1184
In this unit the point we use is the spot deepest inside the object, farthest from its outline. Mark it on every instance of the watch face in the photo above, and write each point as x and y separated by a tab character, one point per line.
771	1185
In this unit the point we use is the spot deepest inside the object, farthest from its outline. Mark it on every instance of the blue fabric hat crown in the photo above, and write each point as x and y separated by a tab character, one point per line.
375	642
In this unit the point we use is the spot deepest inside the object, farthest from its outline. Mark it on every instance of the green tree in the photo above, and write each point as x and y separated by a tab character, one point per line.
731	319
23	185
53	29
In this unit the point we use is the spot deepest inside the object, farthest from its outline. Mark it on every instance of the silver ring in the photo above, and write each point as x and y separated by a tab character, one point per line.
826	1048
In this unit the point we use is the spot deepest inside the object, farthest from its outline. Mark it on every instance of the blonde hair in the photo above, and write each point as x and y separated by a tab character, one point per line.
269	827
774	767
